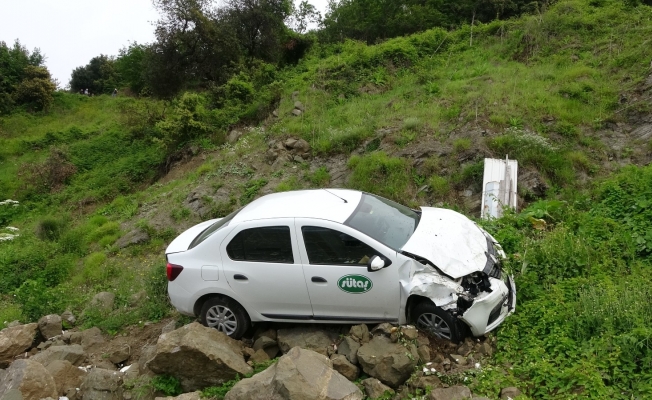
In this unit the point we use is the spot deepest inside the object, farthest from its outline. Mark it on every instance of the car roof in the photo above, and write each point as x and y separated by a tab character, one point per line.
328	204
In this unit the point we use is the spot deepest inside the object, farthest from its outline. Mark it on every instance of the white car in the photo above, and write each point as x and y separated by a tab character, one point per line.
340	256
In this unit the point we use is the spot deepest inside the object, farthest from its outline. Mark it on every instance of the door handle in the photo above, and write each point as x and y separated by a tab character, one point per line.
318	279
239	277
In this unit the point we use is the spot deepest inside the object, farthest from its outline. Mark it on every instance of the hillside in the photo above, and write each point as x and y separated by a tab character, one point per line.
103	184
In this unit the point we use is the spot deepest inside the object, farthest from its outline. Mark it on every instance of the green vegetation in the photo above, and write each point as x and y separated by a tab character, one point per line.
102	184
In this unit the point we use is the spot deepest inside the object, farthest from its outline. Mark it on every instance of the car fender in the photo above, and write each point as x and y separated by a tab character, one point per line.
222	291
423	280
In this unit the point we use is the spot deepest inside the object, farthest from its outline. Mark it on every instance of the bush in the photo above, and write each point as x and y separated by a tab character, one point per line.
50	228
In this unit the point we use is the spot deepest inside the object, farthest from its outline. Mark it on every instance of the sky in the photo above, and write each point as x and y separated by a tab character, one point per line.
71	32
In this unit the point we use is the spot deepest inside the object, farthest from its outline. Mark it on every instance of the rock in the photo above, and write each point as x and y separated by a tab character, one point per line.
102	384
301	146
13	324
509	393
90	338
424	353
68	319
465	349
451	393
360	332
307	338
74	354
199	357
375	388
457	359
270	333
120	354
344	367
275	113
289	143
409	332
185	396
299	106
383	329
300	374
103	301
233	136
14	341
259	356
169	327
424	382
296	112
50	326
349	348
298	159
137	298
66	376
134	237
391	363
485	349
27	378
268	345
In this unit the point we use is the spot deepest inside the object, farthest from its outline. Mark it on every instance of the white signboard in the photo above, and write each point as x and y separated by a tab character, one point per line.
498	186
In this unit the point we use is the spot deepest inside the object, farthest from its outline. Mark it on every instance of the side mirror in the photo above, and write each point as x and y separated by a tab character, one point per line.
375	263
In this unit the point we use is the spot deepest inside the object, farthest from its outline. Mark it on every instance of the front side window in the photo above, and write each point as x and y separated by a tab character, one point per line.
268	244
331	247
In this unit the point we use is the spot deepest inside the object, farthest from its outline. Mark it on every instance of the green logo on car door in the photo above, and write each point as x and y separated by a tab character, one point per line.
356	284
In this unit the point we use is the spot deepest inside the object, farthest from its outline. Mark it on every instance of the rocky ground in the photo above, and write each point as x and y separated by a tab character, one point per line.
54	359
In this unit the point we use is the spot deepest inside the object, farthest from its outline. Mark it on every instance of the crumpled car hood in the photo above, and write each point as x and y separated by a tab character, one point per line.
449	240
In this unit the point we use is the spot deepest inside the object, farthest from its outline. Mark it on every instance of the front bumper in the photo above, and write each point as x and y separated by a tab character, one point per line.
489	310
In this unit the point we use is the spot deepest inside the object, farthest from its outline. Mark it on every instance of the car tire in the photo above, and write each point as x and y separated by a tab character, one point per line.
226	316
436	322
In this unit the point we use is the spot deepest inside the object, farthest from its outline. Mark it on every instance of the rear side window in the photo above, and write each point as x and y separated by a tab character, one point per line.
331	247
267	244
213	228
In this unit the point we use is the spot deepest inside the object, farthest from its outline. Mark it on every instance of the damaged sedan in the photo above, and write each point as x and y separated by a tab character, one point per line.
340	256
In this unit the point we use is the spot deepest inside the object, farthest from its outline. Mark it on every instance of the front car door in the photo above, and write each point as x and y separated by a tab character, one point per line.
334	260
262	265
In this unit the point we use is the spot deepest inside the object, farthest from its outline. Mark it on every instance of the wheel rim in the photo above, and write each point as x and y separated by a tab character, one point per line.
435	325
222	319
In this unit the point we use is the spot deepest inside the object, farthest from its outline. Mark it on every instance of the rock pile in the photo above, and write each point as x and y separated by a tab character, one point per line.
41	360
292	149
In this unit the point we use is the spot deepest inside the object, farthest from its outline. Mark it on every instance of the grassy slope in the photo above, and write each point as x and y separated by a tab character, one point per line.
582	328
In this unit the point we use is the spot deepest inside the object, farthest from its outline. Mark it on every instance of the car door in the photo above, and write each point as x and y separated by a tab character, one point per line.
334	261
262	265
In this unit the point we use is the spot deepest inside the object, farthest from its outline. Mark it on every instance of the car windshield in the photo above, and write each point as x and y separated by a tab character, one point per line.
213	228
384	220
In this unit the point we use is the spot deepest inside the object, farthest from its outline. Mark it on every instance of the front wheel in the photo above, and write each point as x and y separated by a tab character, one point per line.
436	322
226	316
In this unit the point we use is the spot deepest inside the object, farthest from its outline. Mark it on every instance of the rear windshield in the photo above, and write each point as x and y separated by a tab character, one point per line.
388	222
213	228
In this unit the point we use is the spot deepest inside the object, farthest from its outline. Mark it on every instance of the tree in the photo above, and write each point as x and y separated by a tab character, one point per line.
36	89
129	67
17	64
258	25
98	76
304	15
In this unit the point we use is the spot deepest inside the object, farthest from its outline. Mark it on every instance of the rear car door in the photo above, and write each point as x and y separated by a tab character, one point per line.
262	265
334	261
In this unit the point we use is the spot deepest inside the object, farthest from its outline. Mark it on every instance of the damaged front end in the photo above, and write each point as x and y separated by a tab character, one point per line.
468	281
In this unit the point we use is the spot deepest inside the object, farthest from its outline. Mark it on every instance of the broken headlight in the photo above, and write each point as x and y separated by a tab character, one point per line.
476	282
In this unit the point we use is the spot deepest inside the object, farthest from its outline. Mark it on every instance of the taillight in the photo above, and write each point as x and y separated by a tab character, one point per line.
173	271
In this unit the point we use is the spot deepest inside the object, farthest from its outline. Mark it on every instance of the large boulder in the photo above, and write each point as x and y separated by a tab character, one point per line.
344	367
102	384
199	357
66	376
14	341
103	301
349	349
451	393
50	326
299	375
268	345
309	338
391	363
73	354
28	378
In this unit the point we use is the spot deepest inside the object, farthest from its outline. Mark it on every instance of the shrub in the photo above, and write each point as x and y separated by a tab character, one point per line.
50	228
439	187
319	178
52	174
251	190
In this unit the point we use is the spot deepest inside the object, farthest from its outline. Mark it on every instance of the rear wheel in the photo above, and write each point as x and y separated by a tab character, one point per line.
226	316
436	322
